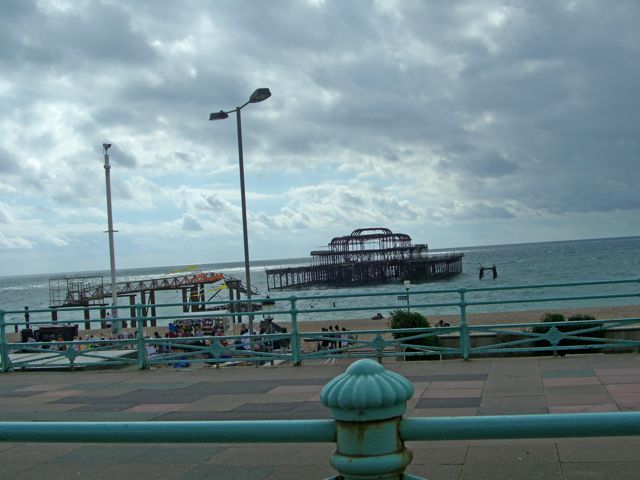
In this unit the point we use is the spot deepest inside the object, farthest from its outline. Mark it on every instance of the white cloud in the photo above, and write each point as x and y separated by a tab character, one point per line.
14	243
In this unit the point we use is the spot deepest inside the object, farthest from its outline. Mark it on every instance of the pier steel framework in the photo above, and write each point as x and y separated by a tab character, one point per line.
367	256
83	291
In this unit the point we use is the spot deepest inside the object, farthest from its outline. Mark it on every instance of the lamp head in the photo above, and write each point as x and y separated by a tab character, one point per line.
259	95
221	115
106	146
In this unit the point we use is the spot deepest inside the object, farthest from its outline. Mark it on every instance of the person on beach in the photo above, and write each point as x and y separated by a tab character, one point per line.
324	343
246	340
330	343
344	338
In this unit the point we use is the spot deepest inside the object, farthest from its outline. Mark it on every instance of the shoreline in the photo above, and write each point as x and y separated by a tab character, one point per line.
485	318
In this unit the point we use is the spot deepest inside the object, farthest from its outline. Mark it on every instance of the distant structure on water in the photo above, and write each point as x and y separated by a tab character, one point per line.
368	256
492	269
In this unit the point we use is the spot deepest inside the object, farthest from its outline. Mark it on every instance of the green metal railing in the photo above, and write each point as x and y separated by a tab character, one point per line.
367	404
462	340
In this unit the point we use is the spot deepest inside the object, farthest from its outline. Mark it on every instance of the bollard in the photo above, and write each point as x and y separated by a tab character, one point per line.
367	402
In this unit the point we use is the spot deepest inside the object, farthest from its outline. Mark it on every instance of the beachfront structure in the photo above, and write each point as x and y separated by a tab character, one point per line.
367	256
83	291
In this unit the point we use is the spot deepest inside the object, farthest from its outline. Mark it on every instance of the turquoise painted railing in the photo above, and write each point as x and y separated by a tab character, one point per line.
367	405
141	348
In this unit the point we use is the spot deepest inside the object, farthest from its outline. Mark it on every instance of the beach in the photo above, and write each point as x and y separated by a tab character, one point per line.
490	318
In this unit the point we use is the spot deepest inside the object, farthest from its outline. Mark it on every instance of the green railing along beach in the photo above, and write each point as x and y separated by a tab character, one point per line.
459	340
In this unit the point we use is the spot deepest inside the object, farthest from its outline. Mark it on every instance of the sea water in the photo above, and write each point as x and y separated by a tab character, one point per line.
518	264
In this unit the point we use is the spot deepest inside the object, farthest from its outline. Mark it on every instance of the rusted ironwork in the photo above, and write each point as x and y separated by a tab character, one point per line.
367	256
82	291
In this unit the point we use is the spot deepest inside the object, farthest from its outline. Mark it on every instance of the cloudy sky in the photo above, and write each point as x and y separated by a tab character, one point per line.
459	123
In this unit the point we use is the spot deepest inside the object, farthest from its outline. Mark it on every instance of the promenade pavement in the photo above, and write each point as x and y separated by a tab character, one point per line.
542	385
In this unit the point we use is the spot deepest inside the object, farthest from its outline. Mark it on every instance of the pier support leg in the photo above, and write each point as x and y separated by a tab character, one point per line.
185	299
132	310
152	301
232	306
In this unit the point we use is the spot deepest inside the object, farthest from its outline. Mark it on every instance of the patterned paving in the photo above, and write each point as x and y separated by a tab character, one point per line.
597	383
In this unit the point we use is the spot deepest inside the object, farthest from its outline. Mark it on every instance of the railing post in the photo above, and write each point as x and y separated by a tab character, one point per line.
464	328
295	335
4	348
368	439
142	349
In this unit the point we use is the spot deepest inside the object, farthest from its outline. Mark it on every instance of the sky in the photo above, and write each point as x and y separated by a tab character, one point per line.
458	123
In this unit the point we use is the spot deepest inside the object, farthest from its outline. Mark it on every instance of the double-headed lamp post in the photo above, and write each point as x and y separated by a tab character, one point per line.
257	96
110	231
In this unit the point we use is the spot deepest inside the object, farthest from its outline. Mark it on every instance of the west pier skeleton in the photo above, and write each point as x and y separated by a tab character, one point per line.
368	256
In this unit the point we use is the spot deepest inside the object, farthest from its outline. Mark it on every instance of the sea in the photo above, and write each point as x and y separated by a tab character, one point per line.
516	264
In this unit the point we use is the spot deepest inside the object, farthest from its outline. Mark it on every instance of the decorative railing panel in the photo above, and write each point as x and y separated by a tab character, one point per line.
141	347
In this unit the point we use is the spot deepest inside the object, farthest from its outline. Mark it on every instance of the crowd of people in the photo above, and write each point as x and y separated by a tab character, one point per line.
333	338
157	344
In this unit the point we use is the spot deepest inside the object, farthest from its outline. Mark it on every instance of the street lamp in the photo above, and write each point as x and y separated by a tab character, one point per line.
110	231
407	284
258	95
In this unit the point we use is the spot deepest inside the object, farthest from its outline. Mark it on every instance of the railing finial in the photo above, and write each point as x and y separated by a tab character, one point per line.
368	402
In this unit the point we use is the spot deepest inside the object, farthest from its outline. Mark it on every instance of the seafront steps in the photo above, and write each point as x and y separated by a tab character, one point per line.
212	337
369	425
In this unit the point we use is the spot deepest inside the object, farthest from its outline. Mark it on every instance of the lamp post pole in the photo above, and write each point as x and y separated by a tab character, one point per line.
110	231
407	285
257	96
245	233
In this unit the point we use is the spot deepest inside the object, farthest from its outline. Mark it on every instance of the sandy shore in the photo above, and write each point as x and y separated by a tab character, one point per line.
491	318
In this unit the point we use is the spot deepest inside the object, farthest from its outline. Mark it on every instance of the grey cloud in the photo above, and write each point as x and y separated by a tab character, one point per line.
191	223
482	211
8	163
117	156
57	39
214	203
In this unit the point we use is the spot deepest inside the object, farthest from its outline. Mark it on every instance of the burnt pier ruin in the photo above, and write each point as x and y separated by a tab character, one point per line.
368	256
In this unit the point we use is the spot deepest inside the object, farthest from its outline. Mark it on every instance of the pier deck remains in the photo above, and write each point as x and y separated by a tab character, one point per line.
83	291
367	256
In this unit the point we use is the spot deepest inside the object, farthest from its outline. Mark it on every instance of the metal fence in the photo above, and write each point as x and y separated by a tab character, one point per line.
139	346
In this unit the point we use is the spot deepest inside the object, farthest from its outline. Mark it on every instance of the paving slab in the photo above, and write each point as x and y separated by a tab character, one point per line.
541	385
